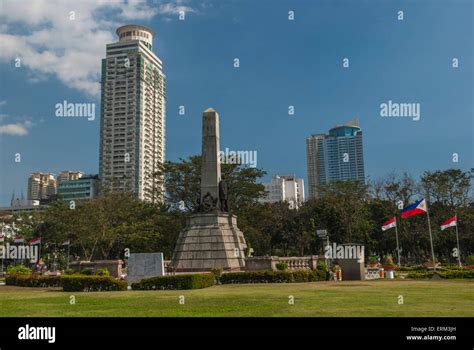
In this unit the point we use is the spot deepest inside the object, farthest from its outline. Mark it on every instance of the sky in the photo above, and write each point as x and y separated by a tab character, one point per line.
282	63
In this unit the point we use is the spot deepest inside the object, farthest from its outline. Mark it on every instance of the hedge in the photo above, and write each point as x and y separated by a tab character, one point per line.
273	276
410	268
443	274
186	281
32	280
82	283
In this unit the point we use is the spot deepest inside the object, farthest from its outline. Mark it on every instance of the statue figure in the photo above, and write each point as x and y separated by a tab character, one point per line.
224	195
208	203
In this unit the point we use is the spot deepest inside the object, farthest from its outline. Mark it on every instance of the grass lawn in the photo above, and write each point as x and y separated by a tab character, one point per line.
358	298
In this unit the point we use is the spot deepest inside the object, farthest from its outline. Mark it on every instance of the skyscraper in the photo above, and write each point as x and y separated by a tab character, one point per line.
285	188
69	175
41	186
132	129
80	188
337	156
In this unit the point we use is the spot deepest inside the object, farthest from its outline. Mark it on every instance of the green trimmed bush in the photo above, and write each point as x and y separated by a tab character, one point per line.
186	281
32	280
470	260
443	274
270	277
19	270
94	283
322	271
281	266
420	275
409	268
87	272
102	272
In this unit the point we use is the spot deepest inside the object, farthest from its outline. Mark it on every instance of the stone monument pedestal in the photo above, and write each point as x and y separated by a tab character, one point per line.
210	241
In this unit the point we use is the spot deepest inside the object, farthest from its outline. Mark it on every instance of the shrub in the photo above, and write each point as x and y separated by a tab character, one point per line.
457	274
372	259
102	272
32	280
187	281
443	274
420	275
19	270
70	272
217	274
94	283
270	277
87	272
322	271
470	260
408	268
452	268
281	266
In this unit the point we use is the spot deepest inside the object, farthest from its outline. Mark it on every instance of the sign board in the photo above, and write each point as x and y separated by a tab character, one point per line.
143	265
322	233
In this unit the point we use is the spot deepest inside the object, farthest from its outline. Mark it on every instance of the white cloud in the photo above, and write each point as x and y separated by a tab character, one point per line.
174	9
52	44
16	129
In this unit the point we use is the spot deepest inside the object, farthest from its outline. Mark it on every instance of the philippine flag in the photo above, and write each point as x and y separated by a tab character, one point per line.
449	223
389	224
19	239
34	241
419	207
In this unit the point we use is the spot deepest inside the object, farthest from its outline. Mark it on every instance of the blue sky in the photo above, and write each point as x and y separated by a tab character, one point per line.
282	63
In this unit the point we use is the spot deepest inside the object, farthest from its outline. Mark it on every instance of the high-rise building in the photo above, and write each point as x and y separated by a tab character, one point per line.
285	188
337	156
69	175
41	186
132	129
82	188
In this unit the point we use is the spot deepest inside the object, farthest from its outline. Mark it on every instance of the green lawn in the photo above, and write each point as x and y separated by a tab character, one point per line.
367	298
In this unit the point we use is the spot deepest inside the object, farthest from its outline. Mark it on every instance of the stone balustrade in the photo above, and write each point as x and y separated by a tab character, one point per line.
259	263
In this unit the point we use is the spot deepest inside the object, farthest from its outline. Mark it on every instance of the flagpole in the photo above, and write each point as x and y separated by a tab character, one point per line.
431	238
457	240
398	249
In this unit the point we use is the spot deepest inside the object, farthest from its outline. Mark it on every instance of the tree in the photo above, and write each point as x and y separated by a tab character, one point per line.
349	200
449	188
182	184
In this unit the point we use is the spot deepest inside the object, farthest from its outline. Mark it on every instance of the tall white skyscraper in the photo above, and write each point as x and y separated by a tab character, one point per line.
132	129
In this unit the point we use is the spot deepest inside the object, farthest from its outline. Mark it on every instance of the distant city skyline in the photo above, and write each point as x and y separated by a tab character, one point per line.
424	60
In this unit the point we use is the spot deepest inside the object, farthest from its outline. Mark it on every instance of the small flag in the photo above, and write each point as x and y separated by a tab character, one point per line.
19	239
449	223
2	238
389	224
68	242
419	207
34	241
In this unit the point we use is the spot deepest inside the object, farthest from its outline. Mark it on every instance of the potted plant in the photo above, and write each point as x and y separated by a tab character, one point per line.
389	267
372	262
